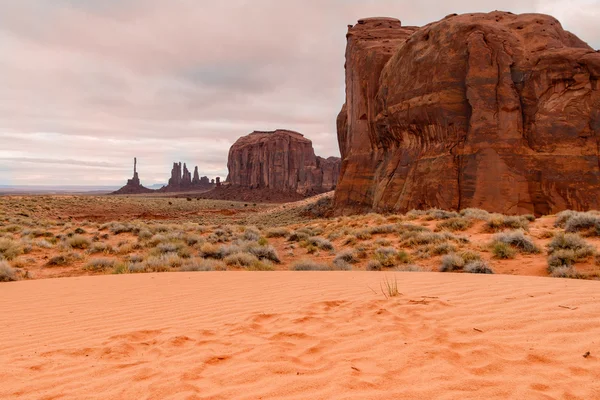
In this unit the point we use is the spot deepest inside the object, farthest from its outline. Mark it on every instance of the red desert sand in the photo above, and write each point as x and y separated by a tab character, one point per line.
300	335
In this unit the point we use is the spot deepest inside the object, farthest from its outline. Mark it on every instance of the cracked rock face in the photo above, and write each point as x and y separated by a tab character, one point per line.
280	160
495	111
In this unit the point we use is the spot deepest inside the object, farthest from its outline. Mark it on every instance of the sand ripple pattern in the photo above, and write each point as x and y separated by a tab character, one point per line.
290	335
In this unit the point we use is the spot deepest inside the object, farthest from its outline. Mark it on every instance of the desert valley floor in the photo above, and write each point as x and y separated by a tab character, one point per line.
292	302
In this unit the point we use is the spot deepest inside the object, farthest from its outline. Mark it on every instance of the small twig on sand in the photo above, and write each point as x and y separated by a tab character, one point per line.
569	308
587	354
478	330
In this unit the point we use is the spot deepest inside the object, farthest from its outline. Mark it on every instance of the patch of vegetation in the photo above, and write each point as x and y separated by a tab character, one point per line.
9	249
455	224
452	262
277	232
7	273
503	251
240	260
567	272
498	222
100	264
309	265
202	265
518	240
478	267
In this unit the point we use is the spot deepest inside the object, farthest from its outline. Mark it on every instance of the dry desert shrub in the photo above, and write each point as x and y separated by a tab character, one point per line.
7	273
478	267
277	232
341	265
475	213
452	262
455	224
503	251
309	265
348	256
264	265
518	240
100	264
499	222
571	241
320	242
374	265
10	249
567	272
202	265
240	260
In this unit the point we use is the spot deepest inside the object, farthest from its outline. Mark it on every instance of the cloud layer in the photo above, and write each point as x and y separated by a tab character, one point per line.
89	84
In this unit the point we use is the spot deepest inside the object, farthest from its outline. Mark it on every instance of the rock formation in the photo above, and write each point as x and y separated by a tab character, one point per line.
181	180
495	111
281	160
133	185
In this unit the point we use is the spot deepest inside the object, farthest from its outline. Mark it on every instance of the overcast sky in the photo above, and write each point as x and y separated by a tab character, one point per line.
86	85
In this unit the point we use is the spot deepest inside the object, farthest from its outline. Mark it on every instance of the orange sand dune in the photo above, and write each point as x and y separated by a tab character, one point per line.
299	335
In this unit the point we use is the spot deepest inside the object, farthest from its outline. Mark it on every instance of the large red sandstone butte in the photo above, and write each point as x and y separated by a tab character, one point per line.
496	111
281	160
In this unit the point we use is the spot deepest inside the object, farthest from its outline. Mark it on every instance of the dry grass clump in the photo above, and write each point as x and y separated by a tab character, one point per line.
409	268
100	247
420	238
348	256
60	260
563	217
478	267
475	213
518	240
100	264
43	244
567	272
298	236
566	249
7	273
9	249
209	250
503	251
264	265
498	222
390	257
588	223
455	224
202	265
320	243
240	260
277	232
263	252
571	241
309	265
452	262
364	234
383	229
341	265
251	234
374	265
78	242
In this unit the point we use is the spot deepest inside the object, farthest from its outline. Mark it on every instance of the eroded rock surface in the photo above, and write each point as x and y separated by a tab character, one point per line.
495	111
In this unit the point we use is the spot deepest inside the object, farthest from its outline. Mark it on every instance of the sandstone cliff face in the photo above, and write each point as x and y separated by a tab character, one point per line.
496	111
280	160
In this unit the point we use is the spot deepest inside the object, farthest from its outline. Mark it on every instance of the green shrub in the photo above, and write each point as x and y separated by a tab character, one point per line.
503	251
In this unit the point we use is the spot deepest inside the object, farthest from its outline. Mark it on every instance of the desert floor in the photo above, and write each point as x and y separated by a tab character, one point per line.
300	335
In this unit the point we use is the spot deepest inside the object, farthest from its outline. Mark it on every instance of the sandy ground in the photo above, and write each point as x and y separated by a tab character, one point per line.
299	335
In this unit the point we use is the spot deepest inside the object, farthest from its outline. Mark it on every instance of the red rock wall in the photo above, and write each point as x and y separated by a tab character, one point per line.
280	160
495	111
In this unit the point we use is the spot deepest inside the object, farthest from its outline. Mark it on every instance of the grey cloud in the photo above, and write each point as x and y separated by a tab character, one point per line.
182	79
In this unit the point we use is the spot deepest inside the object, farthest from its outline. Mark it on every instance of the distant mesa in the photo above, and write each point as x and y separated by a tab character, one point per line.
181	181
133	185
278	165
